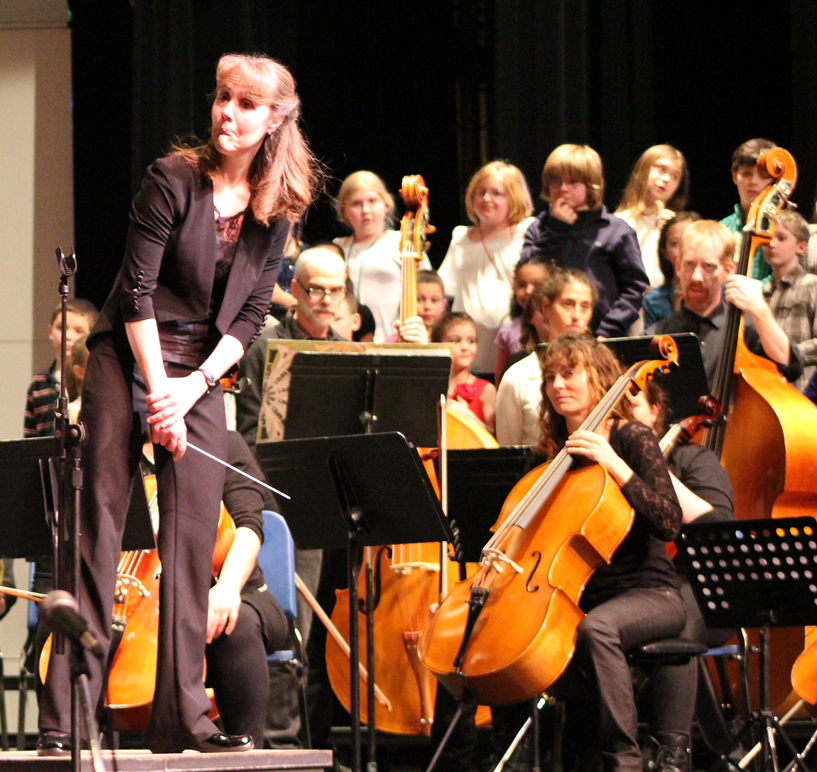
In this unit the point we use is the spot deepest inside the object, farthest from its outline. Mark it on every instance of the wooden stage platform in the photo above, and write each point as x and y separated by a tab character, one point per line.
189	761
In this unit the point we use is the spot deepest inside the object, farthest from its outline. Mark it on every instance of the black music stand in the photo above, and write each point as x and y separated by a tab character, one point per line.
685	384
479	481
26	479
366	392
342	493
756	573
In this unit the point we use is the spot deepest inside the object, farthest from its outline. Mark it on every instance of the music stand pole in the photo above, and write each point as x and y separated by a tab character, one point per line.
68	500
756	573
342	494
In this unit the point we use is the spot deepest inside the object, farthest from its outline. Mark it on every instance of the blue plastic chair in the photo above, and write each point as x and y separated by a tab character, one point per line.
277	561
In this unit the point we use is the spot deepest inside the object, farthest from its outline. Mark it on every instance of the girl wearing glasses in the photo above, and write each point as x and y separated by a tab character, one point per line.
478	269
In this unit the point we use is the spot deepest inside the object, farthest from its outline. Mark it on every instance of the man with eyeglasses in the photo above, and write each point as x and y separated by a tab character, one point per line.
318	287
706	274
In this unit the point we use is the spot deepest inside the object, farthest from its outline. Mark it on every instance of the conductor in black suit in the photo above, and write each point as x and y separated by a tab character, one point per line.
206	236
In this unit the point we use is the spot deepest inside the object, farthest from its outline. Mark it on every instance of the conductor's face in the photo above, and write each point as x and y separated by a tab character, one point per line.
319	288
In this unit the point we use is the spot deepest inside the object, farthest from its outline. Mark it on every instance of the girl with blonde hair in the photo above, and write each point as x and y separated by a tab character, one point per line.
478	269
658	188
372	252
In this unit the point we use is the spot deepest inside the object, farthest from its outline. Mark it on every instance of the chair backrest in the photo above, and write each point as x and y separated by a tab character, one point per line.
33	614
277	561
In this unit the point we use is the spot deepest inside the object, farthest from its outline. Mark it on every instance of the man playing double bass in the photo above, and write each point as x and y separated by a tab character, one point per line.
706	272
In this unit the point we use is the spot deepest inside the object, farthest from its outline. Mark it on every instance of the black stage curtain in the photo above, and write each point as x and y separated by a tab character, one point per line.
439	87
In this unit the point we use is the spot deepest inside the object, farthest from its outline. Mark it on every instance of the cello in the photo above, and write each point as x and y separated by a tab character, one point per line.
556	527
766	444
132	675
409	578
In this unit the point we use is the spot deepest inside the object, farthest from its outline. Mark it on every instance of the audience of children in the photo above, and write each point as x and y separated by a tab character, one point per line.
44	389
526	277
658	188
577	231
478	267
660	302
465	390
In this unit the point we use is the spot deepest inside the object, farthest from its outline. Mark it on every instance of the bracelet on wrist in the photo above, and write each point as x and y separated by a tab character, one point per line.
209	379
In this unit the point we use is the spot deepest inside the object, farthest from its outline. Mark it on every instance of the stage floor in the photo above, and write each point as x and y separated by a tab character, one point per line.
189	761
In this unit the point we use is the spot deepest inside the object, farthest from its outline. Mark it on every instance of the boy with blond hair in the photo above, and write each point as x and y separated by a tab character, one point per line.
577	231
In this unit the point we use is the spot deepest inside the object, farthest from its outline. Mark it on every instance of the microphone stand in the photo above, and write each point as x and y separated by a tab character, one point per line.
68	480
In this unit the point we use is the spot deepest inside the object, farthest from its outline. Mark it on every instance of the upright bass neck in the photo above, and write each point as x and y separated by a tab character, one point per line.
414	229
758	230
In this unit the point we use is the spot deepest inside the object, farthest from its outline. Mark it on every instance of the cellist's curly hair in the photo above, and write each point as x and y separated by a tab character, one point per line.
285	177
576	350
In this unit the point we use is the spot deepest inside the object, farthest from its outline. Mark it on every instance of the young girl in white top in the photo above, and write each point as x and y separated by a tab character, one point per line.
479	265
372	252
658	188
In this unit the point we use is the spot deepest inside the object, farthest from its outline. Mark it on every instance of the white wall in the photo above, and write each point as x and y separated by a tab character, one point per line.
36	189
36	215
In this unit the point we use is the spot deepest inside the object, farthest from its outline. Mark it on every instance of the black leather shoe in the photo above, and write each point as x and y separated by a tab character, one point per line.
54	744
224	743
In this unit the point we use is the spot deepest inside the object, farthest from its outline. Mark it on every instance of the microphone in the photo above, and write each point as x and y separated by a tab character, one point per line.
61	613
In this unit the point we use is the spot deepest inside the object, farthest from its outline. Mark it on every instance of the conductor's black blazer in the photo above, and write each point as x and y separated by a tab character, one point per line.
170	258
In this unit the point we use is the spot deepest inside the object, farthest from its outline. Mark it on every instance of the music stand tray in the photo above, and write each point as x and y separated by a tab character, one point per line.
479	481
386	478
756	573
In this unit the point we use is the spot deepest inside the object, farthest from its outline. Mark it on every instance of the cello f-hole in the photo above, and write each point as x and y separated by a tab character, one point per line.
533	572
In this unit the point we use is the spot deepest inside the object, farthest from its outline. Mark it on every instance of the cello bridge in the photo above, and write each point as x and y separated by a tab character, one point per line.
125	582
495	559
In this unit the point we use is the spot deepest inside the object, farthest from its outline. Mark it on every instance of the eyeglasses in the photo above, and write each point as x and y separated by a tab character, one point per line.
489	193
319	293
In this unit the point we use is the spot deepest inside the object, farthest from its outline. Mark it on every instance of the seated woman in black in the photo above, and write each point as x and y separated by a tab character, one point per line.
635	598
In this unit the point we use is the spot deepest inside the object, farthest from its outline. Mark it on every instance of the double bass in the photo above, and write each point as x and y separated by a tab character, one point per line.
509	632
766	444
409	578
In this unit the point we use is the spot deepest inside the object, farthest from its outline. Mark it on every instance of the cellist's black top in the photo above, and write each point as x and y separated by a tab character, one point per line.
641	560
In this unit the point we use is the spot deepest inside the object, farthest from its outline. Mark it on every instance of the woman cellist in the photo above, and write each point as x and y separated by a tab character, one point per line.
634	598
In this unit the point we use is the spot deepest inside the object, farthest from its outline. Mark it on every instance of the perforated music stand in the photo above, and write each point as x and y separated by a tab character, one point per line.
756	573
354	491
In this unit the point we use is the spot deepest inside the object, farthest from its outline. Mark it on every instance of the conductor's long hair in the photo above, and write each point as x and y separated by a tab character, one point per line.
576	350
285	177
